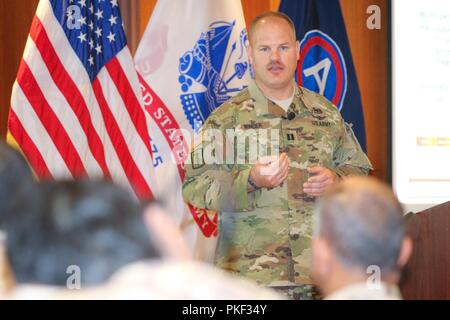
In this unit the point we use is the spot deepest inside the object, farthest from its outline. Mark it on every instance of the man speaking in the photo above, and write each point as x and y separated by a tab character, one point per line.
266	205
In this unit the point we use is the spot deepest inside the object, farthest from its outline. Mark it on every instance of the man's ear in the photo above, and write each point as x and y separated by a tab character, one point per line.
405	252
297	47
249	49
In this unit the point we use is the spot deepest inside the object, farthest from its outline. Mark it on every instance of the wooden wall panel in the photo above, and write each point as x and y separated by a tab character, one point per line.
145	11
369	50
15	21
135	15
252	8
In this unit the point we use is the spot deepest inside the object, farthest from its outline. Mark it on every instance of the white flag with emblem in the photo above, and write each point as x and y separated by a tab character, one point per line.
190	60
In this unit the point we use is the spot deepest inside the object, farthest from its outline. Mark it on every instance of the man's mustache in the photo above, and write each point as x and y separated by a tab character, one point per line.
275	64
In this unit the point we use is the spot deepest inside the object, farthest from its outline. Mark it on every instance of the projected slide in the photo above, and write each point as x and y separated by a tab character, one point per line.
421	102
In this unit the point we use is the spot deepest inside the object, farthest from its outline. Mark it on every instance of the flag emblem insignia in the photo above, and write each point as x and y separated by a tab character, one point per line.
208	70
321	67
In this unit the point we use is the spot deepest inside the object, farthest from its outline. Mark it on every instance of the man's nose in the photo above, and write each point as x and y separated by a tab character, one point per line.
274	55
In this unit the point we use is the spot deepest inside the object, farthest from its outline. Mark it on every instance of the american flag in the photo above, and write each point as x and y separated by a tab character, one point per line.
76	106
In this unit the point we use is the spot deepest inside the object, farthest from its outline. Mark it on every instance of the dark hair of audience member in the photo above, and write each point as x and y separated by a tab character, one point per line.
363	221
16	181
94	227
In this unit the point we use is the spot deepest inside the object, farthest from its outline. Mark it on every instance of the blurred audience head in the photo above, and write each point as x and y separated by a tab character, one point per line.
115	245
16	180
91	227
359	228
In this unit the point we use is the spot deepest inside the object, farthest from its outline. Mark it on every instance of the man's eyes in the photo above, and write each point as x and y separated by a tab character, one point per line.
282	48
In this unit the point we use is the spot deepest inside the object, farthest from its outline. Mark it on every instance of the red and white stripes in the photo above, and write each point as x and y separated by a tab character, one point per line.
69	127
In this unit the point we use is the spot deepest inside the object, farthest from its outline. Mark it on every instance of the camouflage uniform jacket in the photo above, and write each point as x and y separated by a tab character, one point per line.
265	235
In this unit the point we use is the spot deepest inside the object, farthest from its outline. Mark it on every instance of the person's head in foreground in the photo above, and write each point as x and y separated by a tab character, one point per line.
93	240
88	226
359	245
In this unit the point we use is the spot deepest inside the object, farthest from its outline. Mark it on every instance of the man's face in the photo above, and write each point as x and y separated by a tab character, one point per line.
273	52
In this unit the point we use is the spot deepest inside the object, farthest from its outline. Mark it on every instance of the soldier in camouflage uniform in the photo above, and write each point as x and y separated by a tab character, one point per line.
266	205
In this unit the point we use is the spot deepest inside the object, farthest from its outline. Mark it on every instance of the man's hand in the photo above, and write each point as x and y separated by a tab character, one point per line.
271	171
319	183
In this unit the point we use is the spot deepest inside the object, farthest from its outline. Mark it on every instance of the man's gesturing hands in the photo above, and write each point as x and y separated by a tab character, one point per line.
322	179
271	171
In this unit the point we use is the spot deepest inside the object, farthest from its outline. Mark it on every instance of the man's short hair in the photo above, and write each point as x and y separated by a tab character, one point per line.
271	14
92	225
362	221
